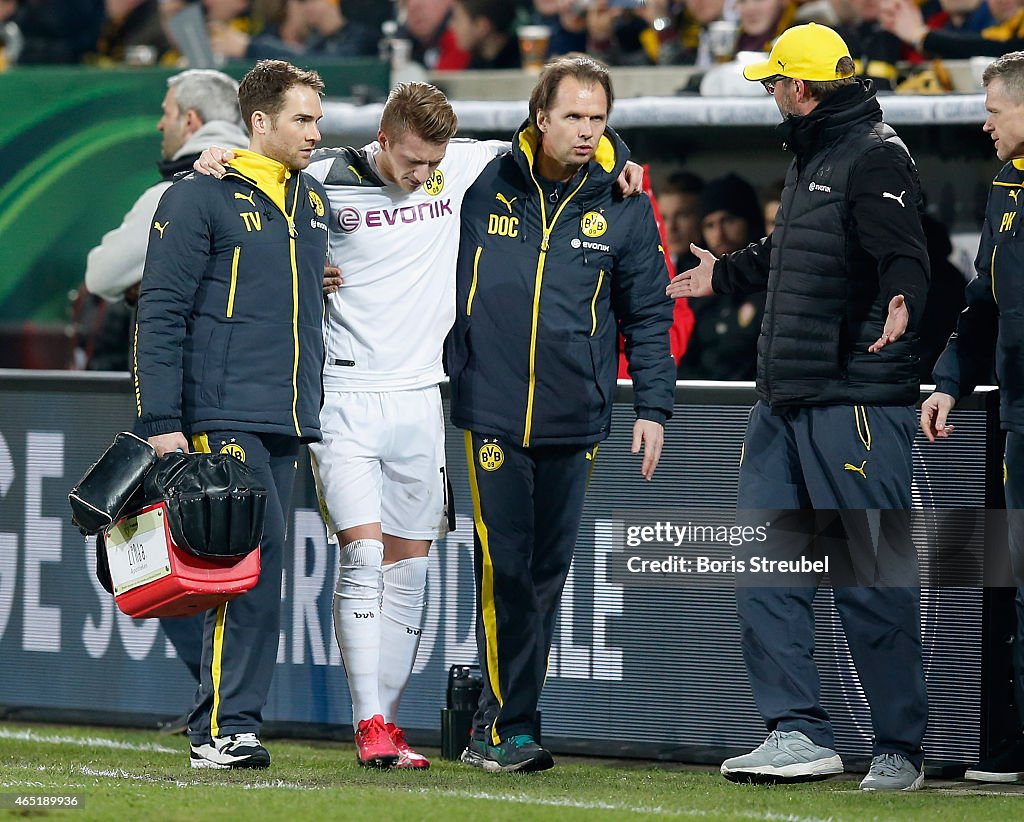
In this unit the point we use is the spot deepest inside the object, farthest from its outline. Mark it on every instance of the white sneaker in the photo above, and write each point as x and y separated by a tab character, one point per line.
892	772
785	756
234	751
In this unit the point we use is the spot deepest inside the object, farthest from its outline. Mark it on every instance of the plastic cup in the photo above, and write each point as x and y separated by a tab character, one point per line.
722	35
533	47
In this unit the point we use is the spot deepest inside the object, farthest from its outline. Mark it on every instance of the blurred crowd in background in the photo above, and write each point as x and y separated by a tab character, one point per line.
725	214
883	35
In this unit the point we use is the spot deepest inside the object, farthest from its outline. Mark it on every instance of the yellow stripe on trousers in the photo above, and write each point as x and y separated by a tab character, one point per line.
201	445
487	609
592	457
215	667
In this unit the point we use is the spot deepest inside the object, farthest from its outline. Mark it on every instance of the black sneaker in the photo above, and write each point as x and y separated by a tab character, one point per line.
1005	765
517	753
235	751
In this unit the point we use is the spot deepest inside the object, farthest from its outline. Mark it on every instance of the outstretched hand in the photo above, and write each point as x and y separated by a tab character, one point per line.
696	281
895	324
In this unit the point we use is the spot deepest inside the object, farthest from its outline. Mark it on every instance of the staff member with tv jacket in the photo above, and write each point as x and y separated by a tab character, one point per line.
229	350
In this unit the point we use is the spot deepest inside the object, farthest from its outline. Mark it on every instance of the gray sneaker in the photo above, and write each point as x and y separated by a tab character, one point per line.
892	772
785	756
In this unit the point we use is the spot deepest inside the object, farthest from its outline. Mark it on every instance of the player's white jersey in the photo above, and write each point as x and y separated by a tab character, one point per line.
397	251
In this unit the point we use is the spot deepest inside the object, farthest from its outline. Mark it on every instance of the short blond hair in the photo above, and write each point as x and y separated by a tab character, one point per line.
419	108
1010	70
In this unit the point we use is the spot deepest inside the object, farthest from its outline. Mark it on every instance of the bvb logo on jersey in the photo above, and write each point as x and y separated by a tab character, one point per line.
234	449
435	183
317	203
491	456
594	224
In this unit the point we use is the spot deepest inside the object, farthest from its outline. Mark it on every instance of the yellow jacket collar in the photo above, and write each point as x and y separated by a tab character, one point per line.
268	175
529	143
605	153
1019	164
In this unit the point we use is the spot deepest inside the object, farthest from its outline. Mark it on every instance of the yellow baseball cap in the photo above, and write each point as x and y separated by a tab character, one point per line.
808	52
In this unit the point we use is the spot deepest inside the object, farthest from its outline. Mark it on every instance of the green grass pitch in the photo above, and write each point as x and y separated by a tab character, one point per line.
128	775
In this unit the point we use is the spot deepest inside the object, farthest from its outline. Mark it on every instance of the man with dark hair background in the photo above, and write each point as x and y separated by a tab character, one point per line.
723	344
678	198
484	29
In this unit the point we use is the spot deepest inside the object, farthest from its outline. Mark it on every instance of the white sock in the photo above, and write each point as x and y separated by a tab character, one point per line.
357	623
405	584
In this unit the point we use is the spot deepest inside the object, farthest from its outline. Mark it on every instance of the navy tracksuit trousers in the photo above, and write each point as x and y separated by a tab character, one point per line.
186	635
838	478
1014	488
527	506
240	637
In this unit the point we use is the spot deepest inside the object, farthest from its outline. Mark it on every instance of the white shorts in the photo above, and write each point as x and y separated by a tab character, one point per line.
382	460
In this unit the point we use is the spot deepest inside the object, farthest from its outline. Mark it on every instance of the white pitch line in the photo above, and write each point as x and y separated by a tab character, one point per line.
499	797
86	741
523	799
616	806
261	784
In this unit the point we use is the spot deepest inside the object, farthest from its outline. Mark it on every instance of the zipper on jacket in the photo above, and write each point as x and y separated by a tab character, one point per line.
593	304
135	369
292	233
234	280
472	287
538	280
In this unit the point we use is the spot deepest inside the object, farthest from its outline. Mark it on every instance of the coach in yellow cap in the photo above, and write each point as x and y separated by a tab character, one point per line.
810	52
846	273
